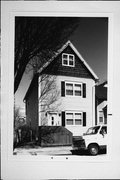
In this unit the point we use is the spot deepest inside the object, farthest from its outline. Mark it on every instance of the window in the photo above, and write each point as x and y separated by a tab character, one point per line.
69	118
65	59
103	130
74	118
52	121
77	88
78	118
69	89
73	89
68	60
92	130
101	117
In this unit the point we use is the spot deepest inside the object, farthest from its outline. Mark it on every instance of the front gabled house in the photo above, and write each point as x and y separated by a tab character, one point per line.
62	93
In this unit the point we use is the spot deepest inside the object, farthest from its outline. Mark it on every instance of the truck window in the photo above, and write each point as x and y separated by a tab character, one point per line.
93	130
103	130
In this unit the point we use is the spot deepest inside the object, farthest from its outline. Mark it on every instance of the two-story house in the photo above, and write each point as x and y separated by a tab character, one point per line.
62	93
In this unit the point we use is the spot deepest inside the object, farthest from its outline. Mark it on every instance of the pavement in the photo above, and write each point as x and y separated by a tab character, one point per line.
37	150
59	150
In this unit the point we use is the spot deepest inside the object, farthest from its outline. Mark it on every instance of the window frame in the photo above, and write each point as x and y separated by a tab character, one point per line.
101	116
70	118
67	89
68	60
74	89
73	84
74	112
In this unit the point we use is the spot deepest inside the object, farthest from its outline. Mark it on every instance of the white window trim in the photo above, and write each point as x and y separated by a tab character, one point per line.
68	64
74	118
73	83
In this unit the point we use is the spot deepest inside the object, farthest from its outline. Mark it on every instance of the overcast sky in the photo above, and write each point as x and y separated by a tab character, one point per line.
91	40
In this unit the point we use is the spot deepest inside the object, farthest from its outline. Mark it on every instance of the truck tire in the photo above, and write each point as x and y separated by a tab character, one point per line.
93	149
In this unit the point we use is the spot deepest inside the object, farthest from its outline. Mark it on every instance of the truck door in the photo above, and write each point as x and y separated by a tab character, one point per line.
103	136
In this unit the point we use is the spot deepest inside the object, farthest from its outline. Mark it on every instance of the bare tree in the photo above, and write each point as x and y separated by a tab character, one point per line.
34	36
16	116
49	96
19	120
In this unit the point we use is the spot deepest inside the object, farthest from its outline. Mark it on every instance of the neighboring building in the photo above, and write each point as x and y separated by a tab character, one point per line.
101	103
69	97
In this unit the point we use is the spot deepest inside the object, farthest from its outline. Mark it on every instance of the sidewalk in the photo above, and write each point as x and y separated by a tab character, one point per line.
59	150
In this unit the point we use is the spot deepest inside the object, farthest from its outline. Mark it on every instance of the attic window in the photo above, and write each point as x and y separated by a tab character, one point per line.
68	60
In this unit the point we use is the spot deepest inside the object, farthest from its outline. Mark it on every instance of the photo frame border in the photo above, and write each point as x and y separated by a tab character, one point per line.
9	56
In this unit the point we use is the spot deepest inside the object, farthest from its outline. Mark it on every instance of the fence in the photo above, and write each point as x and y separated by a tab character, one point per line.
45	136
54	136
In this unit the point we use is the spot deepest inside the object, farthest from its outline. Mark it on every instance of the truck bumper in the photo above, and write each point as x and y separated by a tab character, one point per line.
79	144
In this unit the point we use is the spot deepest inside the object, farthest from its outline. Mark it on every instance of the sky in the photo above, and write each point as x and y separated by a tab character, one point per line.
91	41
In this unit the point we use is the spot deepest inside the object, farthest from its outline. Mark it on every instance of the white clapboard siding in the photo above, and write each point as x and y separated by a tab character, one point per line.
75	103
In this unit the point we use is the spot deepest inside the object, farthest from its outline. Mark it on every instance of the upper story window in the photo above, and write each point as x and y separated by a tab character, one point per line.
101	117
68	60
69	88
73	89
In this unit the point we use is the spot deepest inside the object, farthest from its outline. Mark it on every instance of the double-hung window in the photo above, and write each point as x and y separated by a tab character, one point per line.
68	60
73	89
69	118
77	89
78	118
69	89
101	119
74	118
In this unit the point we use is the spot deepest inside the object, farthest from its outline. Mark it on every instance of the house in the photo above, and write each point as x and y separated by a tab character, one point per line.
101	103
62	93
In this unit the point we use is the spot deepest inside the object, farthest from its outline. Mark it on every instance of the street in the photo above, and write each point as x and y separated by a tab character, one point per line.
59	150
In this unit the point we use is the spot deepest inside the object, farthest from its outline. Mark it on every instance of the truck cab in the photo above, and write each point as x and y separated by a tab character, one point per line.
93	140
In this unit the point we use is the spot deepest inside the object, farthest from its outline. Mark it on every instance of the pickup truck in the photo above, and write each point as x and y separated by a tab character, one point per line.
93	140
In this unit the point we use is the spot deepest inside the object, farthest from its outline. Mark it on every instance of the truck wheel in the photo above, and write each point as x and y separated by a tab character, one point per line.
93	149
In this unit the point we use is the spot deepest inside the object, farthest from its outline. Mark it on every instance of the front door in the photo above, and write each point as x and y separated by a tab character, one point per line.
54	119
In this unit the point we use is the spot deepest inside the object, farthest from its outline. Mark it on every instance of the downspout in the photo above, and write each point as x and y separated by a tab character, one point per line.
94	109
93	105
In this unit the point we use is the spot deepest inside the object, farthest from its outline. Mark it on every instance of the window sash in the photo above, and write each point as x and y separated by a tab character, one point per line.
69	118
101	119
69	89
73	89
74	118
78	118
69	115
68	60
69	121
78	121
78	89
65	62
71	63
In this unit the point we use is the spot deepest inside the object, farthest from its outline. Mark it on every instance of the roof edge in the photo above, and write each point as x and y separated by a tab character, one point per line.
77	53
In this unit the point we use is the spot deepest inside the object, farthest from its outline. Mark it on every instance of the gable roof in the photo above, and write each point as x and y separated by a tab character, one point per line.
68	43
